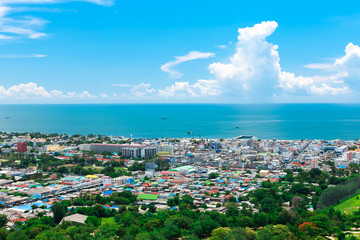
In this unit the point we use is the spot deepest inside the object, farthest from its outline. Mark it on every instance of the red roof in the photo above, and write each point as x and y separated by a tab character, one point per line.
20	220
168	172
228	196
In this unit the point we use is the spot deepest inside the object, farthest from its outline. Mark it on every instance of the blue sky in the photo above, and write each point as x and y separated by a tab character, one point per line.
104	51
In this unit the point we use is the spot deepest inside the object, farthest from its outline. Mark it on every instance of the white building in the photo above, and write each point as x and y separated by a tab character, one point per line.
106	180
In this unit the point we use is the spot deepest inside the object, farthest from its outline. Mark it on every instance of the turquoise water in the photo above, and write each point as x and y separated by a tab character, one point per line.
281	121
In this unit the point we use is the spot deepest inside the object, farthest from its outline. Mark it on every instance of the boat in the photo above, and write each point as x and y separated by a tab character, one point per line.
163	118
190	132
237	127
7	118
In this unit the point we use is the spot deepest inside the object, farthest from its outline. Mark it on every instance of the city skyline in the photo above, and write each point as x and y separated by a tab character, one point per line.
104	51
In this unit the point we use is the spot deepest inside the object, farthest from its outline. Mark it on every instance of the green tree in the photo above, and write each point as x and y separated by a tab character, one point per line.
143	236
58	211
17	235
220	233
3	233
3	220
106	231
261	219
93	220
276	232
33	232
152	208
269	205
232	211
213	175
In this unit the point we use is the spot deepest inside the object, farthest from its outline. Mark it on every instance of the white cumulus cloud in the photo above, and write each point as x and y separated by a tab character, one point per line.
201	88
143	90
33	91
254	70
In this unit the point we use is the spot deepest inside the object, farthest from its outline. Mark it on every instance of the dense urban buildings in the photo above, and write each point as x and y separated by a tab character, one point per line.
39	171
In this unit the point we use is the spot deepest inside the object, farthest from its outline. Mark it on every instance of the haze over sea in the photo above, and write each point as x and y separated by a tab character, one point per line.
266	121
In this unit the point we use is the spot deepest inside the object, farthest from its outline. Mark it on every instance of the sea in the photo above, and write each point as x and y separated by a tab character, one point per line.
265	121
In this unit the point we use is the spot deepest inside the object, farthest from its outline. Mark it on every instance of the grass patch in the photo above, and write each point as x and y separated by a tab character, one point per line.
350	205
107	220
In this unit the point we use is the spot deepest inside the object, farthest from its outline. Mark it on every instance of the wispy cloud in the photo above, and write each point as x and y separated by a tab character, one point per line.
122	85
15	26
221	46
24	56
323	66
168	67
99	2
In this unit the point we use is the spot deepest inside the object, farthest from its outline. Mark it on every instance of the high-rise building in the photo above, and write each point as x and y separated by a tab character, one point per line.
348	155
314	163
22	147
126	150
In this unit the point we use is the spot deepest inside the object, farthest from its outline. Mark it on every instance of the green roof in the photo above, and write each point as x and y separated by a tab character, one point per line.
272	154
147	196
182	168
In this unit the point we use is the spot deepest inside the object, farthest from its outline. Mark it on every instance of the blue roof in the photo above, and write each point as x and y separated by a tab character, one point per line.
27	207
108	192
341	166
39	204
